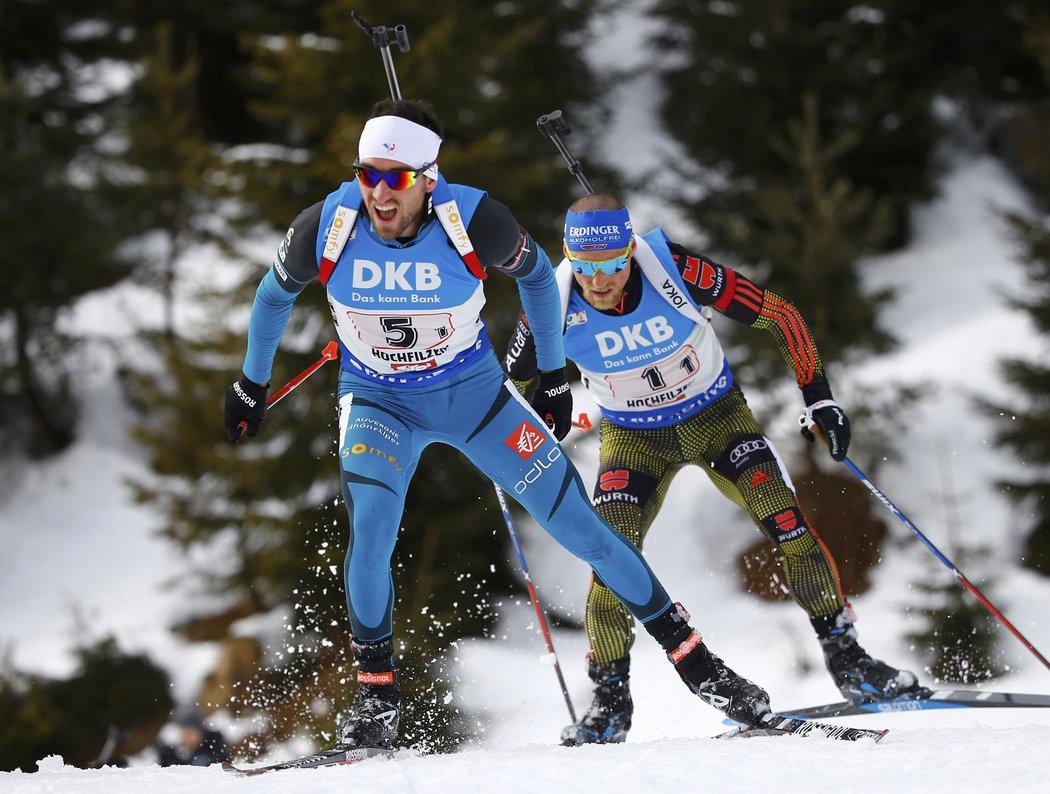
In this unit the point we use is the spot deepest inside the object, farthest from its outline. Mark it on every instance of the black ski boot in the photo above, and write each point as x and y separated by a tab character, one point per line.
858	675
608	718
705	674
713	682
376	711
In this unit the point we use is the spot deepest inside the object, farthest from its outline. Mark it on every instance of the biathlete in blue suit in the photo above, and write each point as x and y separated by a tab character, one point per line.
404	256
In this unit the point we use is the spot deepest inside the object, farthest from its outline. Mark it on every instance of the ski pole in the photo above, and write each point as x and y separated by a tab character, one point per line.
948	563
805	420
380	36
534	598
553	125
329	353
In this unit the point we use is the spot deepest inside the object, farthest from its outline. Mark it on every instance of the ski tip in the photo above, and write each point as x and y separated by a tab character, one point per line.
336	757
234	770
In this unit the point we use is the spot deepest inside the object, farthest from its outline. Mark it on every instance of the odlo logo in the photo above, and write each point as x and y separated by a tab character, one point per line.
539	466
525	440
615	480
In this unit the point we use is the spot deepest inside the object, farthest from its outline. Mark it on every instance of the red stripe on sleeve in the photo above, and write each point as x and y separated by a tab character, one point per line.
800	346
747	294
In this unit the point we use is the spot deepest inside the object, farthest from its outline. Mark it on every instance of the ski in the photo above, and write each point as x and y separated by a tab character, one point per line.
939	699
784	725
334	757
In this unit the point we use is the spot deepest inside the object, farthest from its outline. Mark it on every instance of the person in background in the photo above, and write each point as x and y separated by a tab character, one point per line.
403	256
196	745
636	314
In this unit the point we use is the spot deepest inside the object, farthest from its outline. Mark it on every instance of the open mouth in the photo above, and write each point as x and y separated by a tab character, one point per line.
385	214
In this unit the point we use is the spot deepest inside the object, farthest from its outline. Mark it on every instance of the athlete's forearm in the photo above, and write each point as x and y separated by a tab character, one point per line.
780	318
520	361
542	305
270	312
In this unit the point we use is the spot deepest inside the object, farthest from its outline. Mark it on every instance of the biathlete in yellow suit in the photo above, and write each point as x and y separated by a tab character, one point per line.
637	324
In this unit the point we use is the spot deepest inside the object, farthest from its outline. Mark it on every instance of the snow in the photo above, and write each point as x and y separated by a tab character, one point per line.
81	559
929	759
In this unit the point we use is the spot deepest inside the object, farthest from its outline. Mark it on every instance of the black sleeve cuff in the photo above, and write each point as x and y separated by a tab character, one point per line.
816	390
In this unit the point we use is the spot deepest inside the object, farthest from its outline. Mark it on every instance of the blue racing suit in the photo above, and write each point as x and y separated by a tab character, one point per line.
417	369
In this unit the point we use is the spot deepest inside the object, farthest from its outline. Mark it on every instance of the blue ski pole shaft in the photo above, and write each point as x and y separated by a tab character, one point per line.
535	599
944	560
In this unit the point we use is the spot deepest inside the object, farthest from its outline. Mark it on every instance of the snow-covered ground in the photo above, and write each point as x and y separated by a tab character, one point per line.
931	758
80	560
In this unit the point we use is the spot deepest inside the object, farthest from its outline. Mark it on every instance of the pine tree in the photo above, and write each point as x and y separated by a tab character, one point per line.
810	131
111	690
1024	426
956	633
959	640
820	222
959	635
58	239
170	199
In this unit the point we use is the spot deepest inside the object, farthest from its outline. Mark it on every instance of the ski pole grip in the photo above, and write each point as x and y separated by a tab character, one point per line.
805	421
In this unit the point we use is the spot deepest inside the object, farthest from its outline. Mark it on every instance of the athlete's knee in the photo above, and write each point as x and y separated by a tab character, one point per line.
788	529
371	542
369	560
594	545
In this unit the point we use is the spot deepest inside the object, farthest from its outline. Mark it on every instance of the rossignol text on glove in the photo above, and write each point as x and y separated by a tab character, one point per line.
244	409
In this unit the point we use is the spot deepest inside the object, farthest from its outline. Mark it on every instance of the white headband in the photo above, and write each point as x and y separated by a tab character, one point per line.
397	138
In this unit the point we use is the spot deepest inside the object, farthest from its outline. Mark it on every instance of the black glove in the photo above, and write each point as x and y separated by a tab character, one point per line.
833	423
553	402
245	405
